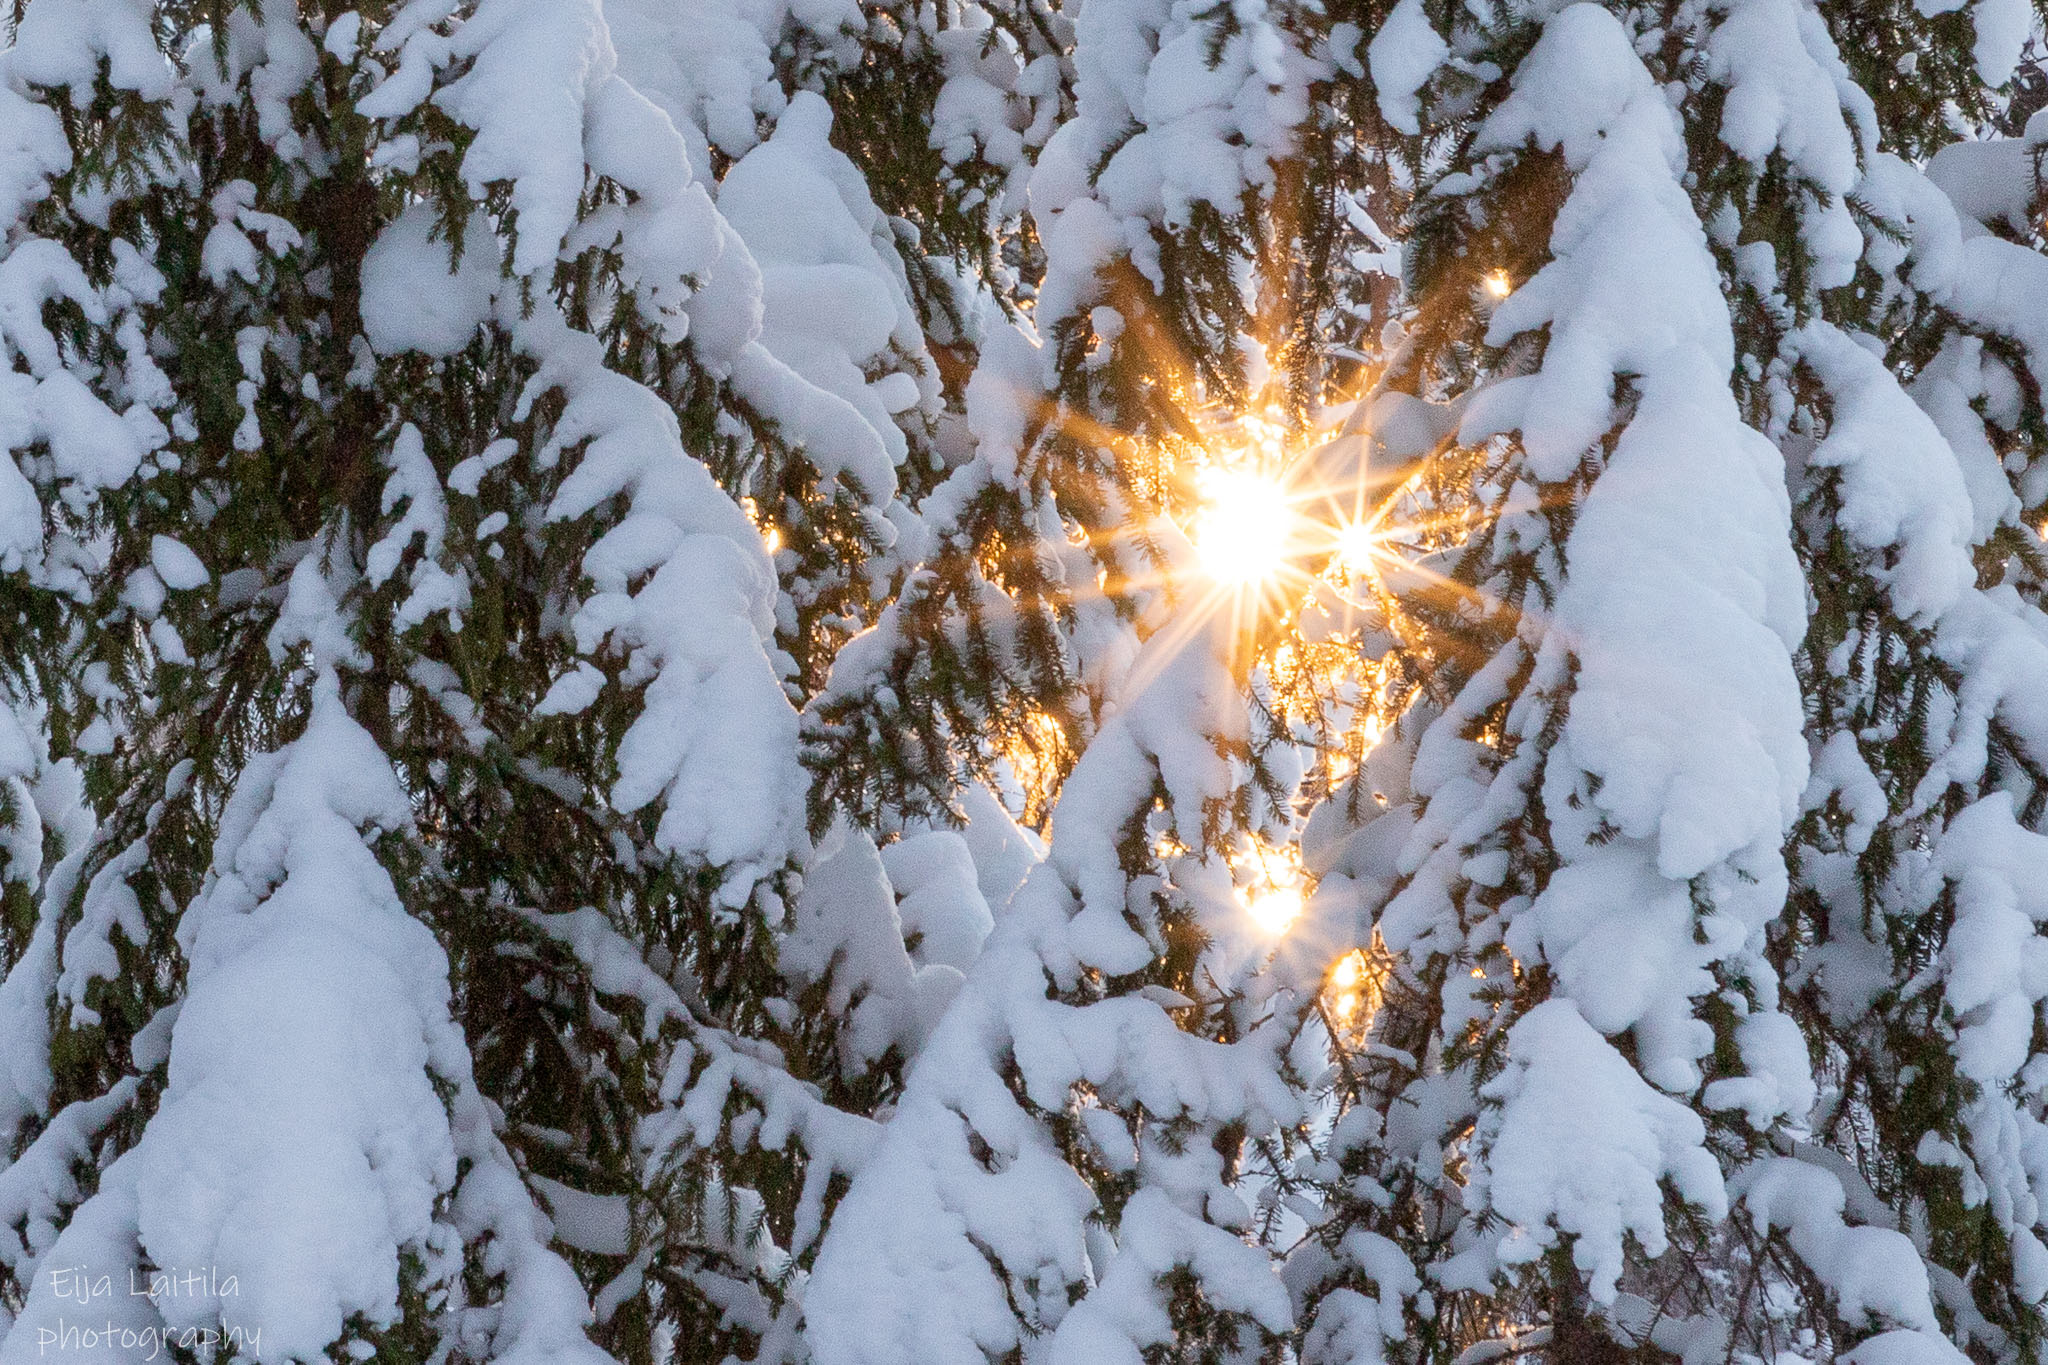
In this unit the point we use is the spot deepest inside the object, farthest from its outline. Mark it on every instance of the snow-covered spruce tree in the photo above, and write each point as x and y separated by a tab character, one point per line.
1599	807
431	628
1888	1215
296	602
1920	501
83	403
1071	1172
1907	528
958	579
934	110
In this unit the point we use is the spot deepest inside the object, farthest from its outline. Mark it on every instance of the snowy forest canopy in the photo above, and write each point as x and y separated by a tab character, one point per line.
1024	682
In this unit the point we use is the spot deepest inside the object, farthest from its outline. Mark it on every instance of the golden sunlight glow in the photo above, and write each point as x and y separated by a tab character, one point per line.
1297	541
1263	435
1274	908
1270	888
1352	994
1344	979
1498	284
1037	756
771	535
1245	530
1359	545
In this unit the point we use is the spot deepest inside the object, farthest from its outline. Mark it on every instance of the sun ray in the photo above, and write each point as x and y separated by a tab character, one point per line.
1296	550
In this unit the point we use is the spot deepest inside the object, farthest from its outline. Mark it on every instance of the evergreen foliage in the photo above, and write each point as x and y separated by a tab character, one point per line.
629	729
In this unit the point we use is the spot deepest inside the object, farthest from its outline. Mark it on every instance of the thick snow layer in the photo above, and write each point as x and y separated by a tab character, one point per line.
667	234
2002	27
51	798
32	143
176	565
998	104
1995	963
1161	733
533	66
716	90
710	64
62	42
1175	108
1124	1316
1684	742
1905	1348
301	1146
903	1274
1003	851
1577	1143
107	905
1870	1270
1405	53
937	878
92	447
40	1187
847	936
417	296
967	1203
100	1234
1780	1075
1789	92
1785	84
1679	760
1901	487
716	740
548	109
1694	734
1989	182
25	1078
835	306
1947	389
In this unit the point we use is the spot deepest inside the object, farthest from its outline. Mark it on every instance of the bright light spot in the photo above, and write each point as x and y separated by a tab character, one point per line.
1358	546
1245	529
1499	285
1353	996
1274	908
1270	886
771	536
1263	433
1035	752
